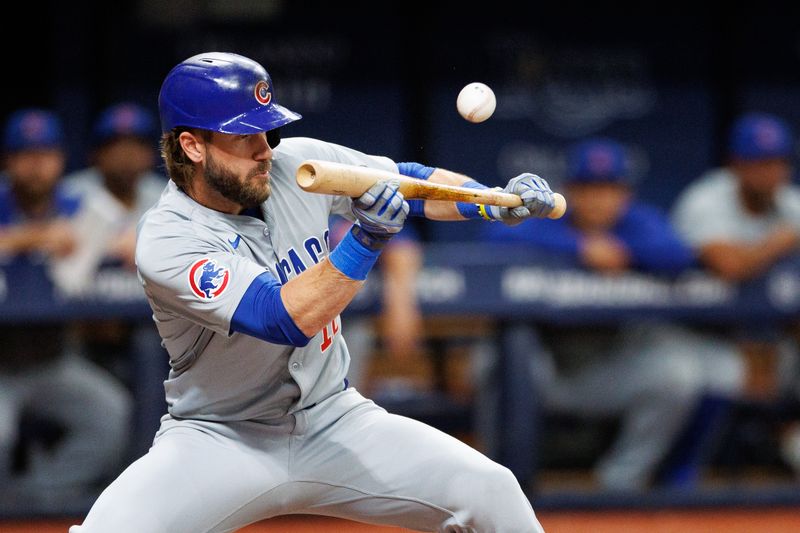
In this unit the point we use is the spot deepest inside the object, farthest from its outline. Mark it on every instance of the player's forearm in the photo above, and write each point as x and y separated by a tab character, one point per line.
20	239
439	210
317	296
739	262
731	263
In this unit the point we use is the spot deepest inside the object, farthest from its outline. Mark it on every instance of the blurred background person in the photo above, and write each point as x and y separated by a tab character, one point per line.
119	186
629	370
41	378
742	219
33	205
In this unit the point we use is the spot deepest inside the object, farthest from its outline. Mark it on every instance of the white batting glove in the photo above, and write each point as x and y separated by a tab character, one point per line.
536	195
381	213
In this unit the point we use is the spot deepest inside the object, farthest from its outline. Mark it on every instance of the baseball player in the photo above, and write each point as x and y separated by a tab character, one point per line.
246	295
632	370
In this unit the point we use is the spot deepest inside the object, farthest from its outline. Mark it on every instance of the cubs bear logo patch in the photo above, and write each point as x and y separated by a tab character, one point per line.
207	279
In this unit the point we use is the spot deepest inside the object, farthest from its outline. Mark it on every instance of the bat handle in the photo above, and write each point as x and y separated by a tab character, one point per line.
559	208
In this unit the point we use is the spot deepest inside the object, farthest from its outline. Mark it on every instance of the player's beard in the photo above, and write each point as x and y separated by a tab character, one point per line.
246	192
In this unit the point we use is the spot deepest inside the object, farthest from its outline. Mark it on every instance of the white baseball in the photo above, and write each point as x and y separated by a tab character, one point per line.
476	102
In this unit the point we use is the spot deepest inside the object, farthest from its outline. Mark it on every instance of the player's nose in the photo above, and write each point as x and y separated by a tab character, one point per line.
261	148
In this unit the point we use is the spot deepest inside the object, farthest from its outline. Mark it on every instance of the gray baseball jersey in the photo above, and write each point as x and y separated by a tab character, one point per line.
710	209
258	429
196	263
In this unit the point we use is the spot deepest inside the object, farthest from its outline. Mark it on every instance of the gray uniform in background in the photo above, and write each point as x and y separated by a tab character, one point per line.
711	210
257	429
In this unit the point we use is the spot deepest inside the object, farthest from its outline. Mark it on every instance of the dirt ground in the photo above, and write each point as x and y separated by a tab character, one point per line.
712	521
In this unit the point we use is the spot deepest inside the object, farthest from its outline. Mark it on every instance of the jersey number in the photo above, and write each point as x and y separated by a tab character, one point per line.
328	332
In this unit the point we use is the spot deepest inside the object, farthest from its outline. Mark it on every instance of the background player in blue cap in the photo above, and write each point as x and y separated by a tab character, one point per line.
246	295
742	219
119	186
33	145
39	376
631	370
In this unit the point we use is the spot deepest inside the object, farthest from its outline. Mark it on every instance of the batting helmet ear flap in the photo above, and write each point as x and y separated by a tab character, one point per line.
222	92
274	138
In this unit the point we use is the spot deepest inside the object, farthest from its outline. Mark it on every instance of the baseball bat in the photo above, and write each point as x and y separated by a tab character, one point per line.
325	177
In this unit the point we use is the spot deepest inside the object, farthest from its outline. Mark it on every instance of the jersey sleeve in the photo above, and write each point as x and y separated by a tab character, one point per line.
549	235
342	154
652	241
193	279
788	204
703	213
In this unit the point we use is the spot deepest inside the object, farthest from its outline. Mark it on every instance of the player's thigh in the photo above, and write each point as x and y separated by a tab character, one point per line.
190	481
392	469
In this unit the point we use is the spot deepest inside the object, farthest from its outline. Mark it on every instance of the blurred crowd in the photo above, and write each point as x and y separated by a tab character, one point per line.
671	385
68	395
70	392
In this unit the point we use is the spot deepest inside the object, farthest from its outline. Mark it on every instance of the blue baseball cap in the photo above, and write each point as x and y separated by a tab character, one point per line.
597	160
30	129
123	120
760	136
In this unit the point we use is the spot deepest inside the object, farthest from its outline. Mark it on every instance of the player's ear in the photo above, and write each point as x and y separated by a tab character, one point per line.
193	145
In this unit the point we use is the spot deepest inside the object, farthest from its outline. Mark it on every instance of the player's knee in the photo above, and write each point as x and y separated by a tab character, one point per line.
678	378
500	480
491	499
728	376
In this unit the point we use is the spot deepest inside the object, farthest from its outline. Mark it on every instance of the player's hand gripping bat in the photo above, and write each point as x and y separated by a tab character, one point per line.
325	177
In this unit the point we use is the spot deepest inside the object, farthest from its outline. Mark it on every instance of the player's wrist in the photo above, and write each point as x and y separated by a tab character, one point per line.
471	210
370	239
357	252
416	207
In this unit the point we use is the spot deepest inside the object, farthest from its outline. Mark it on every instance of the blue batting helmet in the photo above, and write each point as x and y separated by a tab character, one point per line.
221	92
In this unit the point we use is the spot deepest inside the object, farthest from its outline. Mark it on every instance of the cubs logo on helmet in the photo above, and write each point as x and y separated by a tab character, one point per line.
263	94
207	279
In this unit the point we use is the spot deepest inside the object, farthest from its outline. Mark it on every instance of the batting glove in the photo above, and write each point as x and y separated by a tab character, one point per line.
380	213
537	200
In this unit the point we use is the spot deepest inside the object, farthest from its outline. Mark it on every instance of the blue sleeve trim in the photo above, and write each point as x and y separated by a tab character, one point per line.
557	236
66	204
415	170
261	314
653	243
352	258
